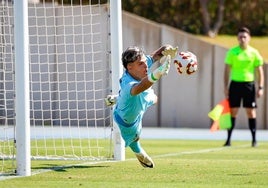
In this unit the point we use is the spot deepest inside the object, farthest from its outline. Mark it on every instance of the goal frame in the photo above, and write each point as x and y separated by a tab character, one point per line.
22	91
117	69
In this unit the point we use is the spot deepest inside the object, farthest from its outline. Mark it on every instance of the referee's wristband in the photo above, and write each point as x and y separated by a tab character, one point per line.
260	87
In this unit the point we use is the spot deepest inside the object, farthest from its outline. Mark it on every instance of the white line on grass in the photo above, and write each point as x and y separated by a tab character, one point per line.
130	159
199	151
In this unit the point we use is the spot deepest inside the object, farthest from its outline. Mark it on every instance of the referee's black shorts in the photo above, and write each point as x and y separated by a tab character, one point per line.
242	92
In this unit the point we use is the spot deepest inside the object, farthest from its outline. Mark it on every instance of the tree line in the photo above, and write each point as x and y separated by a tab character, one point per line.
207	17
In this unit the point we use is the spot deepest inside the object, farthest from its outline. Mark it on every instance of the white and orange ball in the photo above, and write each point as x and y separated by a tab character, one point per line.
185	62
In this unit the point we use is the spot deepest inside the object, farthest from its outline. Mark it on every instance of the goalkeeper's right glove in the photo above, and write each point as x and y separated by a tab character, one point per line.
160	71
171	51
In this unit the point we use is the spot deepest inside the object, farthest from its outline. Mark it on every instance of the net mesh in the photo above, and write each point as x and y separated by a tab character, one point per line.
69	78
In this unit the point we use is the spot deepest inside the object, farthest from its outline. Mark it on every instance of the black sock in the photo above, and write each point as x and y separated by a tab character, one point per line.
252	126
229	131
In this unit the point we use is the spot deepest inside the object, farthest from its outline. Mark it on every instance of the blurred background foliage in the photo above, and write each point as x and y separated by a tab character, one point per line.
201	17
187	15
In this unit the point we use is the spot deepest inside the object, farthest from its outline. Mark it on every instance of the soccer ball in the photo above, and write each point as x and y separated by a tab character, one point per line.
185	62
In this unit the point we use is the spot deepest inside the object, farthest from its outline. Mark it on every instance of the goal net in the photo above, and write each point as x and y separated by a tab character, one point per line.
69	61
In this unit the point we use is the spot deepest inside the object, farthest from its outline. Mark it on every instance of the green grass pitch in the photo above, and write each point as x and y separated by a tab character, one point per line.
179	163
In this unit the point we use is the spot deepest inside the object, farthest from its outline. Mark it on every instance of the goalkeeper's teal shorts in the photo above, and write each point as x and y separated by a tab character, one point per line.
129	132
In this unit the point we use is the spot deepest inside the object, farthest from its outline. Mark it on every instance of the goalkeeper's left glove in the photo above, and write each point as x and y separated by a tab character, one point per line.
160	71
170	51
110	100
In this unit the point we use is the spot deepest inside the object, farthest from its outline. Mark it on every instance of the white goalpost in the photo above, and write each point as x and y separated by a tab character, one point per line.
117	69
58	63
22	89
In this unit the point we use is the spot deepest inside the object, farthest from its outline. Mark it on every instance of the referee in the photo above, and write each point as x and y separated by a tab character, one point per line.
240	82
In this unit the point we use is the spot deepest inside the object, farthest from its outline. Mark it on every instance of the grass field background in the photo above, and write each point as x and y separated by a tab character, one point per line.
179	163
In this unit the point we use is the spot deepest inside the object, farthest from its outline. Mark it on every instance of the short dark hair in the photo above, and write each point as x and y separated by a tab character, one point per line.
244	29
131	54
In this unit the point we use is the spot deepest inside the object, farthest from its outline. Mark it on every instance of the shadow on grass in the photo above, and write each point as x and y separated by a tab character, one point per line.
65	168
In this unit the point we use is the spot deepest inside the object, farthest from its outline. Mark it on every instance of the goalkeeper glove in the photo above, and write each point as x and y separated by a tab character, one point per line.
170	51
110	100
160	71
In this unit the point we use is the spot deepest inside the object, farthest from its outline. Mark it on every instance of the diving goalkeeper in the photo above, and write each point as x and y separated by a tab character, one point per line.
136	94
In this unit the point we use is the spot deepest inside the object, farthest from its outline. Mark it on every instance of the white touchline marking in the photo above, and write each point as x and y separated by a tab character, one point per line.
198	151
130	159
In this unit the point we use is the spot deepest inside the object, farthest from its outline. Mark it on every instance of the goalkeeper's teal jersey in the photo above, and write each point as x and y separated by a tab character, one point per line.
243	63
129	109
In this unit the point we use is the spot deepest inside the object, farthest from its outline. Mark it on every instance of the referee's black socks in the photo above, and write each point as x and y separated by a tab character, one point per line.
252	126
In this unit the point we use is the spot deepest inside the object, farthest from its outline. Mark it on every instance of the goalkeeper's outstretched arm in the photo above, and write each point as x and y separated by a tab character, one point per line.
153	77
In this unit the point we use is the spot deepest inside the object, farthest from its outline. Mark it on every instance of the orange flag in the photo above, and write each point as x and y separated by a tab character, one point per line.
221	116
